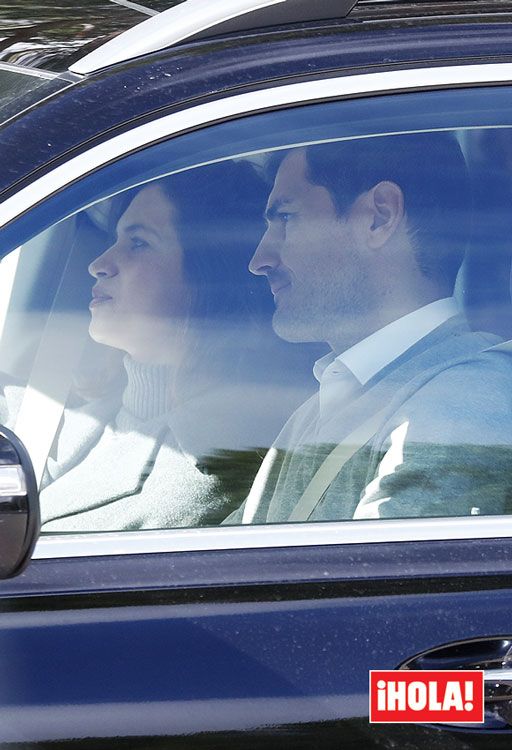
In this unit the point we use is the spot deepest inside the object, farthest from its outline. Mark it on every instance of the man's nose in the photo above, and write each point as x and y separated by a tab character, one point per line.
104	265
265	257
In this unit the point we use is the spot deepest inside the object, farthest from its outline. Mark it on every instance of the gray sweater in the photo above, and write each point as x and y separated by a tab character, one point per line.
443	445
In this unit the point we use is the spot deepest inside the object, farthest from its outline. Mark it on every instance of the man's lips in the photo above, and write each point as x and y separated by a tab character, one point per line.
277	284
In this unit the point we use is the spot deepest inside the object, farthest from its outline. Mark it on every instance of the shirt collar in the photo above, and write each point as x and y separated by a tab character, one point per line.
366	358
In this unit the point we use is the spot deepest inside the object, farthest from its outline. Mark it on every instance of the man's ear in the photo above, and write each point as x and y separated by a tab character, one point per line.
386	205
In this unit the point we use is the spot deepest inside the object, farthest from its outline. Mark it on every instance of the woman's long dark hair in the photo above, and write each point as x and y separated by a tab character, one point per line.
220	222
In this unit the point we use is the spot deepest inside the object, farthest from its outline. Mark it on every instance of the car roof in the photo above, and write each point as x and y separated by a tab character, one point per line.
199	19
53	35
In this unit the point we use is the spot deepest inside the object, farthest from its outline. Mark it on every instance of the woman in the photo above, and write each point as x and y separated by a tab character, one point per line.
166	293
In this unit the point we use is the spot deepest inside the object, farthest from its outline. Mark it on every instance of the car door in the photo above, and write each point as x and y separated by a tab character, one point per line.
211	634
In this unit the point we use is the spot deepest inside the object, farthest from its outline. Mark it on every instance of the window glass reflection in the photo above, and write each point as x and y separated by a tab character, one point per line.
308	333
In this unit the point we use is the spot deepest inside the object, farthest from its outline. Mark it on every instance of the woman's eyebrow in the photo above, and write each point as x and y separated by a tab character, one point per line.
141	227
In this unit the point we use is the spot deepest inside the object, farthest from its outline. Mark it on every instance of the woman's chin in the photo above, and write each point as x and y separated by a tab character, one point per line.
103	335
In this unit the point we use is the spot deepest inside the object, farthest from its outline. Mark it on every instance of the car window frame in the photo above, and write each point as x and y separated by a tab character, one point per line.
249	103
52	546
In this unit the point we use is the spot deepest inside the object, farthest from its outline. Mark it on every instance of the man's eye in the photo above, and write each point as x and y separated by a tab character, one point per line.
285	217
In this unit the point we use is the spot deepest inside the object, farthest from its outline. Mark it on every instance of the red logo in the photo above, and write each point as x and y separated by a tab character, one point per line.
432	696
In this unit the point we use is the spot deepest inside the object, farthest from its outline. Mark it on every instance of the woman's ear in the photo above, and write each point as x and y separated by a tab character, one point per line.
386	205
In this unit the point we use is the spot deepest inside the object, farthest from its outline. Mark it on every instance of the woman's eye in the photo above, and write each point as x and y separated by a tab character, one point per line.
138	244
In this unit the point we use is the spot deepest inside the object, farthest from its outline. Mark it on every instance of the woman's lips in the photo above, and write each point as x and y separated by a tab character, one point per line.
99	299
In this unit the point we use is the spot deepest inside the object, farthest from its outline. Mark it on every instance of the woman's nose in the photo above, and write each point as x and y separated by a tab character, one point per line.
104	265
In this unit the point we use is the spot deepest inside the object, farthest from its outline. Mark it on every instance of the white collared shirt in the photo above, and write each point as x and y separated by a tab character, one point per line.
341	376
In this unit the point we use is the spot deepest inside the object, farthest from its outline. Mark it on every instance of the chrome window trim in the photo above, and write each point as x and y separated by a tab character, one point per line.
245	104
32	72
270	536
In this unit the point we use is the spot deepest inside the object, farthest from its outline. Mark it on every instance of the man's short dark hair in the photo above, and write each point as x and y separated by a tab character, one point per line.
432	173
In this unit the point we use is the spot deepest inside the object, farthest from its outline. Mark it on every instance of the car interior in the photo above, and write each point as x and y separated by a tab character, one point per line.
45	346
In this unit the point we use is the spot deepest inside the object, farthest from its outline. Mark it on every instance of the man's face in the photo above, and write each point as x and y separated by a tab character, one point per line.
311	259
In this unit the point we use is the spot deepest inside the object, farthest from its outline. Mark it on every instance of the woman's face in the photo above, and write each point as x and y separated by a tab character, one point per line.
139	299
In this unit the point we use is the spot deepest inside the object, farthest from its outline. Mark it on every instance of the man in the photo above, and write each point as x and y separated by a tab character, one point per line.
413	417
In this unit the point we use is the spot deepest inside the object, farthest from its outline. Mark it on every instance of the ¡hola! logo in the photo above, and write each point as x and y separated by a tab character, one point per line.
433	696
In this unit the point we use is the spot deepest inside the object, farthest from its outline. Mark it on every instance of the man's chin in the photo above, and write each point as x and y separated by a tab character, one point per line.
291	329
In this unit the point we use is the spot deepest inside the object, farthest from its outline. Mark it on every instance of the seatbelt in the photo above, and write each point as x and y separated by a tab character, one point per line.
333	464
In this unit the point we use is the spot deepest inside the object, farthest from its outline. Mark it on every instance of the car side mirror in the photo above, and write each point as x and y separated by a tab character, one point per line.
19	505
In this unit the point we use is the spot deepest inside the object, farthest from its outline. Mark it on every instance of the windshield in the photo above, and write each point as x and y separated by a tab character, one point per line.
20	88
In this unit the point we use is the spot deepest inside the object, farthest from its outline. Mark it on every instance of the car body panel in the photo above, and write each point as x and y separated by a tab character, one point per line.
292	632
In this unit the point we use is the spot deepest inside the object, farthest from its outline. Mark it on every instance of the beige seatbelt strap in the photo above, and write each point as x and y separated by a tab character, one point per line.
333	464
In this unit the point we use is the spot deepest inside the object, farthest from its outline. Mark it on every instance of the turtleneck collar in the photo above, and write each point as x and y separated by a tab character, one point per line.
148	391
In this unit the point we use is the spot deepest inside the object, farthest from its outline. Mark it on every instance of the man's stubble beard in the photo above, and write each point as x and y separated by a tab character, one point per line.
331	311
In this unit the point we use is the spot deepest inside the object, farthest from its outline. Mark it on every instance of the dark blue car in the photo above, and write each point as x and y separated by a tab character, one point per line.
255	378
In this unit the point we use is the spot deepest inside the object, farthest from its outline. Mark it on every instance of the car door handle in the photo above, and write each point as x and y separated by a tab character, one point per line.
494	657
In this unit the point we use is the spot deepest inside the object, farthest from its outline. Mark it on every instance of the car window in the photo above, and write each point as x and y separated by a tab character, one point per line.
297	316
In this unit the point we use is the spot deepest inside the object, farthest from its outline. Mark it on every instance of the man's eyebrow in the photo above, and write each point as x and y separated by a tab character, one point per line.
274	208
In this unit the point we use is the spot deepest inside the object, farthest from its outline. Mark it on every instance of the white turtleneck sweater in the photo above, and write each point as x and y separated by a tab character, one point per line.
121	465
146	396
